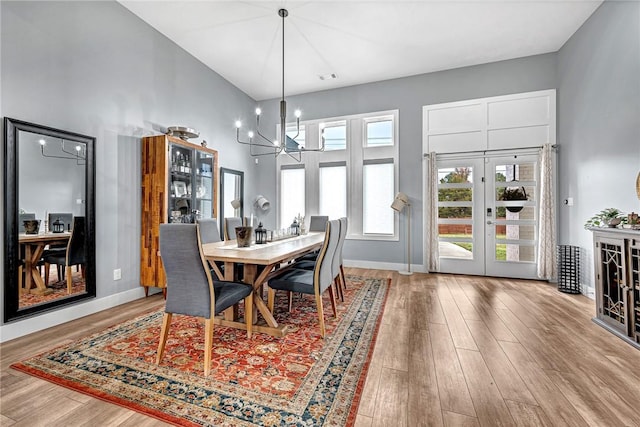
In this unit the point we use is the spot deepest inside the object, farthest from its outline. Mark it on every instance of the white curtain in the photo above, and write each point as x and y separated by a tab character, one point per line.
547	228
432	214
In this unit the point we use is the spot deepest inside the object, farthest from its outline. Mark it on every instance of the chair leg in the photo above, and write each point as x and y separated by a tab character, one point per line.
164	332
271	298
336	282
332	296
69	279
208	345
83	268
320	314
344	281
248	313
290	298
20	280
47	266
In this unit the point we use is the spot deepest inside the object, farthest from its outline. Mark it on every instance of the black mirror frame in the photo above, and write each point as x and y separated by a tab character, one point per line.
11	245
224	171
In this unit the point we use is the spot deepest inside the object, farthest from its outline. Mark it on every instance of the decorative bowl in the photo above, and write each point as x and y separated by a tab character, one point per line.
614	222
31	226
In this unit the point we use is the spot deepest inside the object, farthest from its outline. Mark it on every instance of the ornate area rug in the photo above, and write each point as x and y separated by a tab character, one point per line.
297	380
59	290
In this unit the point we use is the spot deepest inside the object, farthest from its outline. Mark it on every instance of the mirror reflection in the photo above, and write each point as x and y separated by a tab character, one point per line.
51	218
49	243
231	195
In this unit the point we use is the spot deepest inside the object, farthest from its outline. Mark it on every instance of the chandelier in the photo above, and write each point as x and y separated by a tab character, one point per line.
285	143
77	152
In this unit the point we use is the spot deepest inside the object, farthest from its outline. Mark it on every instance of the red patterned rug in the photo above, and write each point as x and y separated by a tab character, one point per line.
298	380
59	290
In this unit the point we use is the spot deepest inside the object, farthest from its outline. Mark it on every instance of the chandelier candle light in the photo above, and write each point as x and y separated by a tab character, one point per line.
285	143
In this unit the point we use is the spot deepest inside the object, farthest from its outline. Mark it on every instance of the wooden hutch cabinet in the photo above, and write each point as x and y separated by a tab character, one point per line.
179	184
617	273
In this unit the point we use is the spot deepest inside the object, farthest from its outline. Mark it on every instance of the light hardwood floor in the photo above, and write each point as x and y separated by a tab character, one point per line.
451	351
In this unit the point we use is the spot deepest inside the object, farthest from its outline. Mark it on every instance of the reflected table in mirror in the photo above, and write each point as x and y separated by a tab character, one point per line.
33	246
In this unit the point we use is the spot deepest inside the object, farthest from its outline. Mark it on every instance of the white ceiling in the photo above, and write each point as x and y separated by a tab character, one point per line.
360	41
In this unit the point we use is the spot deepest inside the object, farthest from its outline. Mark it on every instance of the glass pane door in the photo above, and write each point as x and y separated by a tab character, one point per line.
511	230
204	188
460	228
180	184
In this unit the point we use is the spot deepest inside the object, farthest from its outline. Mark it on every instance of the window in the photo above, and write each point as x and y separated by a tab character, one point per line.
292	131
335	136
292	195
355	176
378	191
379	133
333	191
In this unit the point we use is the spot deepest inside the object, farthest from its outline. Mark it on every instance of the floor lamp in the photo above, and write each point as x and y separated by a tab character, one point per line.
399	204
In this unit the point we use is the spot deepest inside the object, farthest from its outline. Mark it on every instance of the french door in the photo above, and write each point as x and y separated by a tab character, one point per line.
487	214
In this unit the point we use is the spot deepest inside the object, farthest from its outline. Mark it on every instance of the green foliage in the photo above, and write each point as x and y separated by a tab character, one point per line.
458	176
606	217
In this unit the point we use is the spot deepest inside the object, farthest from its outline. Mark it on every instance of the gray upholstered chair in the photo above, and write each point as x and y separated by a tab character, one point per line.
337	259
230	225
73	255
318	222
65	218
314	282
190	288
209	230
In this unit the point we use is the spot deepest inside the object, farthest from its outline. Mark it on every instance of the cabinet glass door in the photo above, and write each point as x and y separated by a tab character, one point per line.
204	184
612	277
634	259
180	183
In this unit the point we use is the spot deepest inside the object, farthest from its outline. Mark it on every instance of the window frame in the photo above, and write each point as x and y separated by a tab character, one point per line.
355	156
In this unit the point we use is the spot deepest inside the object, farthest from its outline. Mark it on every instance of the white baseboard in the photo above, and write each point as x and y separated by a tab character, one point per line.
588	291
373	265
37	323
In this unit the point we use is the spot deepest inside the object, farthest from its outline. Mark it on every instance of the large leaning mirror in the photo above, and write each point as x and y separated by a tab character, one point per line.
49	204
231	195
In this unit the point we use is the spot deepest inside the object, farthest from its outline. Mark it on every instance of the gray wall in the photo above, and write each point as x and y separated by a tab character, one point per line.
96	69
599	121
409	95
48	184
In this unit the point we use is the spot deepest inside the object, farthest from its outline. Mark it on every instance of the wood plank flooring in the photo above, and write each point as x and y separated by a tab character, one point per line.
451	351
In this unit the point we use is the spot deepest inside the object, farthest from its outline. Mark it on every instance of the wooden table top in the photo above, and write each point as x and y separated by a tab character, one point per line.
43	238
267	254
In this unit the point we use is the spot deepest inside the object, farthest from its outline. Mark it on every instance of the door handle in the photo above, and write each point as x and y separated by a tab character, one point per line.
489	222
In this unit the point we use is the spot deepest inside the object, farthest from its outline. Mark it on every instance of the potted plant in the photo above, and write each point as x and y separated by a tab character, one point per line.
514	194
610	217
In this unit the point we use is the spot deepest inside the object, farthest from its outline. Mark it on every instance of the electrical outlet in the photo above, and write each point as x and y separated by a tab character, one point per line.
117	274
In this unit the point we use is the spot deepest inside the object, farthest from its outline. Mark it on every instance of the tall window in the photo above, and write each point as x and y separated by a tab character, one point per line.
378	188
292	195
333	191
355	176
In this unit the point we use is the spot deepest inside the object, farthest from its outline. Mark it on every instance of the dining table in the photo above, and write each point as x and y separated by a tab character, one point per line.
271	256
33	246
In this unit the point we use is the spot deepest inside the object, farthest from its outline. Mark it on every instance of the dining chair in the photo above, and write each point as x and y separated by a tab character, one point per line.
338	259
191	291
314	282
230	225
318	222
73	255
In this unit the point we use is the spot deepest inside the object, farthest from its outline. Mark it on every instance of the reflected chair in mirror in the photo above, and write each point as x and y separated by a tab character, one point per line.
230	225
314	282
191	291
73	255
63	219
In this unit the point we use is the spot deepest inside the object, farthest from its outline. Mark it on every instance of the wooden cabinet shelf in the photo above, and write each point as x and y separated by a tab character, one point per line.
179	184
617	272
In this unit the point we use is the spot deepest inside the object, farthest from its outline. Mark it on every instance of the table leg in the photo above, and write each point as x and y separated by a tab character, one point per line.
33	253
249	277
230	313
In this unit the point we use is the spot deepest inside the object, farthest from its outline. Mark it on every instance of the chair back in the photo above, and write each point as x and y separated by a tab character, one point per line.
209	232
65	218
24	217
318	222
337	256
77	242
322	274
230	225
189	285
